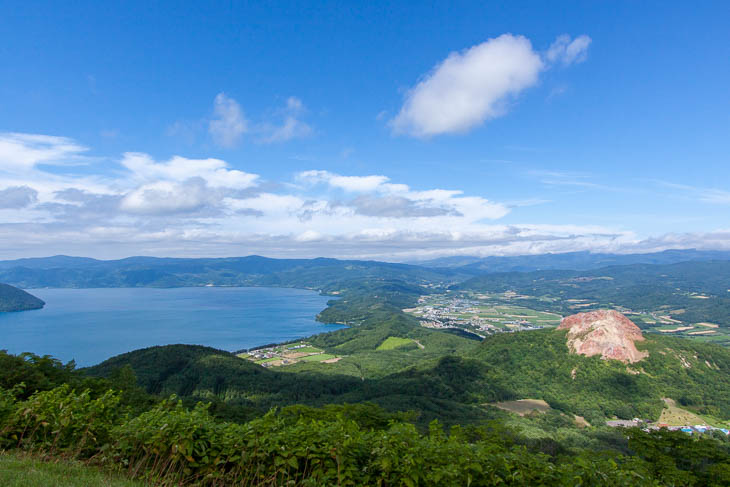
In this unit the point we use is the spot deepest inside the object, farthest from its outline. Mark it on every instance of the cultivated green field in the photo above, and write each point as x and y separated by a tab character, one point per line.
392	343
266	360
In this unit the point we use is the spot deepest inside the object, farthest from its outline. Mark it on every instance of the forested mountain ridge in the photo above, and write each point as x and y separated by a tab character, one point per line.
14	299
320	273
569	260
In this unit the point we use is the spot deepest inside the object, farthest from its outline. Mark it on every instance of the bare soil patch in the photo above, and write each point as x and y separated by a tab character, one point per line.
523	406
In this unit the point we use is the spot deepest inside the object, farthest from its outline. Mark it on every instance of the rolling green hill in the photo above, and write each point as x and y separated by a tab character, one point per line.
451	378
538	365
14	299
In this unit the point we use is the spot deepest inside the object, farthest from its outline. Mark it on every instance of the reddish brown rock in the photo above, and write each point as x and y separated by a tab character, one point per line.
606	333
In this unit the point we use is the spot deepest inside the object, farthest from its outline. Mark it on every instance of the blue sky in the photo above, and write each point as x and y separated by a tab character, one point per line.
387	130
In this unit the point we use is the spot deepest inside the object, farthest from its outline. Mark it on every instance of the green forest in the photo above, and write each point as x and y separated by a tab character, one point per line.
14	299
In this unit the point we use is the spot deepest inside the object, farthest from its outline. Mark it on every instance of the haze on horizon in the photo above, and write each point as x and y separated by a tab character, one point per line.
380	131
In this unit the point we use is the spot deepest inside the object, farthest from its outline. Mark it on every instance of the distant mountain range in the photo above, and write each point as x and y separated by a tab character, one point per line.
568	261
321	273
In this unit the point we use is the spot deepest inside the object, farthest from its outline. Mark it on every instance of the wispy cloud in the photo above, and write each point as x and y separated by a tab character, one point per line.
564	178
526	202
568	51
228	123
291	127
706	195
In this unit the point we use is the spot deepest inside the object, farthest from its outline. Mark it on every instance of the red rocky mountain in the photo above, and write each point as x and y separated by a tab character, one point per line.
606	333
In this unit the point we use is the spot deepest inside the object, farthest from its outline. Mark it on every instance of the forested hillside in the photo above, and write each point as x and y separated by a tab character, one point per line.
14	299
453	381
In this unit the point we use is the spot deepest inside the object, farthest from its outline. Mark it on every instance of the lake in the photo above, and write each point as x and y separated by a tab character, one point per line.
91	325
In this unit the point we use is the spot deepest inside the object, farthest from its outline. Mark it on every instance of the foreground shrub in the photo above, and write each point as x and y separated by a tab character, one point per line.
172	445
183	446
63	421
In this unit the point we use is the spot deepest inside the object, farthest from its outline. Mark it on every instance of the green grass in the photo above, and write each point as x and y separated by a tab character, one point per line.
673	415
305	350
20	470
719	339
392	343
265	360
317	358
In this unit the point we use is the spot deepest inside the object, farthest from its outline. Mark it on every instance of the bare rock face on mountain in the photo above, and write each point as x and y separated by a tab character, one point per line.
606	333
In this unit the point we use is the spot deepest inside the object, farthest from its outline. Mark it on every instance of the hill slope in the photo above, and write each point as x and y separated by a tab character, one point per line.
455	383
14	299
539	365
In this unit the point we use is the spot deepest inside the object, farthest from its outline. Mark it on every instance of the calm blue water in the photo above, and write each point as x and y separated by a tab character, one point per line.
91	325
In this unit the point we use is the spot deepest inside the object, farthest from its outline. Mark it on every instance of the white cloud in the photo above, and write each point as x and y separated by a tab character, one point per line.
166	197
347	183
567	51
187	207
214	171
229	123
394	200
308	236
469	87
180	185
475	85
